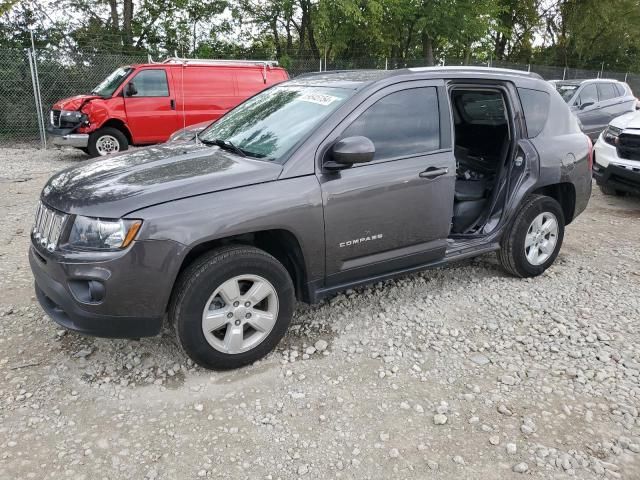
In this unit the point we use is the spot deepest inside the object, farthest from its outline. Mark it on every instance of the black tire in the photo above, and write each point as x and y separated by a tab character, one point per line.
512	255
199	281
92	146
607	190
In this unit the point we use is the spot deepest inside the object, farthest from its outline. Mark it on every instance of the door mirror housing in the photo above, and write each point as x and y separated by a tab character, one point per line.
349	151
130	90
585	105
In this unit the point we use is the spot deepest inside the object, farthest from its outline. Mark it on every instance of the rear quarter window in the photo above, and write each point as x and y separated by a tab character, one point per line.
535	104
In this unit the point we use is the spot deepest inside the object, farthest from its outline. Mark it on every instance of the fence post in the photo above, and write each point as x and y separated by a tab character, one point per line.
36	96
386	63
529	68
321	65
625	77
564	73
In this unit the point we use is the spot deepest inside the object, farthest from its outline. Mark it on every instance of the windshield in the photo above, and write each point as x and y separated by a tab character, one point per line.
566	90
109	84
273	122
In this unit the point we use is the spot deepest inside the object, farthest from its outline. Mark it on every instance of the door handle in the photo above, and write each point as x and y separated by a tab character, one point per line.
173	104
433	172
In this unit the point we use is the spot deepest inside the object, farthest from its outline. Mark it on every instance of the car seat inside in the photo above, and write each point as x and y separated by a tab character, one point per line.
482	141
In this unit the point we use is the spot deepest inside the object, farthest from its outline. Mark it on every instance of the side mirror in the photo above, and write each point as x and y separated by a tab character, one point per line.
130	90
585	105
348	151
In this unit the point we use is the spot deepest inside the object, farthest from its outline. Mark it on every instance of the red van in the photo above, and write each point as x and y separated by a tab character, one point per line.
144	104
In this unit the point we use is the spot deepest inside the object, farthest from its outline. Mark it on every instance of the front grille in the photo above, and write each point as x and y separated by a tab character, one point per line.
54	116
48	226
629	146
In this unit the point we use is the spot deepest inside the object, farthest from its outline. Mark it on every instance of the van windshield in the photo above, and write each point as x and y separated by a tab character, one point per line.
113	81
272	123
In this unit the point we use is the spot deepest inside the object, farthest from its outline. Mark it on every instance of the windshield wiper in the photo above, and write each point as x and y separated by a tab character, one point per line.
226	145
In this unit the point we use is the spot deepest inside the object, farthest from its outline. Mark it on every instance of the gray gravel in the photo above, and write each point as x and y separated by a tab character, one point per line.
459	372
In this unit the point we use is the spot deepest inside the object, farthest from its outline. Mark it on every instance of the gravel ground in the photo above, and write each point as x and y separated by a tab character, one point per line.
459	372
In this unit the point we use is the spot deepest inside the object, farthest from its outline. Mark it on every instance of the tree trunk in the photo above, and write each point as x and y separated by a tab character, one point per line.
127	16
115	22
276	37
427	49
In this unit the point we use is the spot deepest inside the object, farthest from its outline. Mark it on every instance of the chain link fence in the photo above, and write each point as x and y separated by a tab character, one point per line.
63	74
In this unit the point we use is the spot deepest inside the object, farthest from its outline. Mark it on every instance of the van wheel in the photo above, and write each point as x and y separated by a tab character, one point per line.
605	189
231	307
533	241
105	141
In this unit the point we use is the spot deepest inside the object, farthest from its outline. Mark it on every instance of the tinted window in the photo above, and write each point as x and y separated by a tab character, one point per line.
566	90
588	94
535	105
401	124
275	121
607	91
151	83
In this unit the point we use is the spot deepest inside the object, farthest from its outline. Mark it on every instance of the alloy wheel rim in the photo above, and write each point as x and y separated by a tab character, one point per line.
107	144
541	239
240	314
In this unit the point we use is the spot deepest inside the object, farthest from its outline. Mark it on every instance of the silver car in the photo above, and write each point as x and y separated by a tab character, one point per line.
596	102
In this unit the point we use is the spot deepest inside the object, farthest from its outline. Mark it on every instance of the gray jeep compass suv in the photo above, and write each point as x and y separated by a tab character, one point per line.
313	186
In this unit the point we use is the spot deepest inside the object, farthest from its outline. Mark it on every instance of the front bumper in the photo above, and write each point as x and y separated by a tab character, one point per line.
77	140
65	137
611	170
618	178
136	285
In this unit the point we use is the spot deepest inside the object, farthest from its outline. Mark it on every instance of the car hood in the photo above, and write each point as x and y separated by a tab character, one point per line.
73	103
628	120
117	185
189	133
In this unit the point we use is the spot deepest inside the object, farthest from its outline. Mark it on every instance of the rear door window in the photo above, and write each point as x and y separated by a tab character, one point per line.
607	91
402	124
151	83
589	94
535	104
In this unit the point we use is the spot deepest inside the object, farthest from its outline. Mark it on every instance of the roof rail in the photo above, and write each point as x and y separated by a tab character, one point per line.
196	61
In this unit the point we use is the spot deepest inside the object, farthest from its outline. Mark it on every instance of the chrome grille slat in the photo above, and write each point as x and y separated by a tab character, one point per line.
48	226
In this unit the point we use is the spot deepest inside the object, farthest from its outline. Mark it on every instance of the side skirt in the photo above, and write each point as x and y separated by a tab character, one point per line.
454	253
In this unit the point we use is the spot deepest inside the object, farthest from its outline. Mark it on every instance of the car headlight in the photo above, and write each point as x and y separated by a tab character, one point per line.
611	135
102	234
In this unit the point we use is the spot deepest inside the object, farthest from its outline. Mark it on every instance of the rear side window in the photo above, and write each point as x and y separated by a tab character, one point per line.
401	124
151	83
621	90
589	94
607	91
535	104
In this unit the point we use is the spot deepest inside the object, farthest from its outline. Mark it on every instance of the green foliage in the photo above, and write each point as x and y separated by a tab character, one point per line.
576	33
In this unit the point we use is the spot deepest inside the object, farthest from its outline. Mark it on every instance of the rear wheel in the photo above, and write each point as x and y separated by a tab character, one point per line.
534	239
232	306
607	190
106	141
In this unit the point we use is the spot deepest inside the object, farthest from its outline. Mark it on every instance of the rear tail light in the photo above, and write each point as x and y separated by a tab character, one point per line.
590	154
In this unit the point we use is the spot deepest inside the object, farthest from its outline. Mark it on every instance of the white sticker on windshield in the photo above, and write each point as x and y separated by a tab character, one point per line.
319	98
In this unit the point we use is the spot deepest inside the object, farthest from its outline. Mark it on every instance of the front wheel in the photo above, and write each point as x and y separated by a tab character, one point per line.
106	141
232	306
533	241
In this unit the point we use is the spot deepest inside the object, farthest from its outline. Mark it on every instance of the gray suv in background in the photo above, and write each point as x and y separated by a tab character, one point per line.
313	186
596	102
